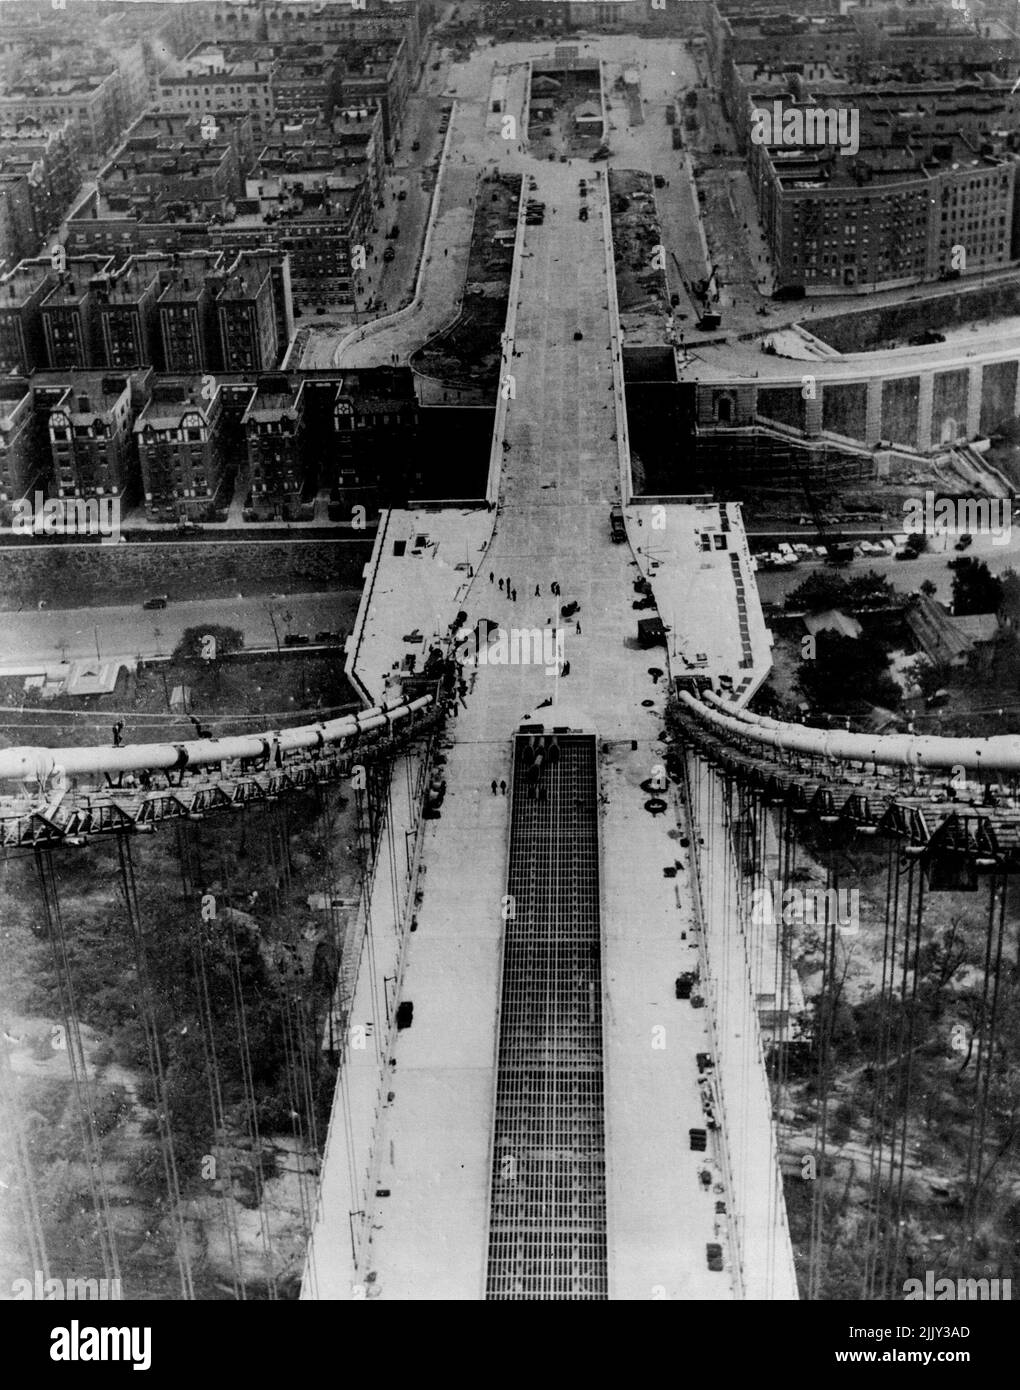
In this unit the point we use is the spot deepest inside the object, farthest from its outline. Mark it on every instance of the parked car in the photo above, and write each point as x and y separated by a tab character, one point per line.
157	601
389	254
659	181
402	196
965	540
297	639
415	144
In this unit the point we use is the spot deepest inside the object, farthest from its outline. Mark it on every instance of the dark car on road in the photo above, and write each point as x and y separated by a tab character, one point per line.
157	601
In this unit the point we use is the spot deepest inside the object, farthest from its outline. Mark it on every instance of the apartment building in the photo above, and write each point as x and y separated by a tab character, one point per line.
24	465
246	313
204	82
70	314
92	102
181	450
90	430
47	156
889	216
22	292
378	74
129	315
186	308
17	225
315	213
280	473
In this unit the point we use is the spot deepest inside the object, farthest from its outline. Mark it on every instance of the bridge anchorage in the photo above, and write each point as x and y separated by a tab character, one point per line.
218	963
865	884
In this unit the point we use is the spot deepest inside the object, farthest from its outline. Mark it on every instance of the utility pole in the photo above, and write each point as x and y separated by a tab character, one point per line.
272	619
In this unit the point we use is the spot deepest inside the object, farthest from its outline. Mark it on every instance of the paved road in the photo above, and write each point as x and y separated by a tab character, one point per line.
71	633
774	585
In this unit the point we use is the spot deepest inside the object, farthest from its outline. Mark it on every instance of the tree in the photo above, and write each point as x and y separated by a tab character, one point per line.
818	592
846	670
975	588
924	674
1009	582
195	643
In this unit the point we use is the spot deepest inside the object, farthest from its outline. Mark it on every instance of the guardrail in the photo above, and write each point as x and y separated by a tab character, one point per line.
616	344
354	641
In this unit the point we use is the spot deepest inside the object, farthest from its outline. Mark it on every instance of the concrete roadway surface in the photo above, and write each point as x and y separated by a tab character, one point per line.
52	635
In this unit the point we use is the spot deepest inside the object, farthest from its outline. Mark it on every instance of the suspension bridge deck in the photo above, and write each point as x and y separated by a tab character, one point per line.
428	1211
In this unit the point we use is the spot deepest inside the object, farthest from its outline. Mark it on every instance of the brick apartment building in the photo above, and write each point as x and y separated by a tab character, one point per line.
281	475
90	430
181	453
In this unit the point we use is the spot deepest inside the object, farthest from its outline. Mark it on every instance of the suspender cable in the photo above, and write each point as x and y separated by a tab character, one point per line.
156	1067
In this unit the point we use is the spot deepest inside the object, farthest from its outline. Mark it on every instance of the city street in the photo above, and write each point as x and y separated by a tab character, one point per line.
55	635
908	575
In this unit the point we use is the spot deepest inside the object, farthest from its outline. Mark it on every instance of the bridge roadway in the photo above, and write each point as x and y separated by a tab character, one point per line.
426	1236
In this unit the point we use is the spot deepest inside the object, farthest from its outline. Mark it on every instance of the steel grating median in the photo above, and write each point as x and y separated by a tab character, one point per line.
547	1222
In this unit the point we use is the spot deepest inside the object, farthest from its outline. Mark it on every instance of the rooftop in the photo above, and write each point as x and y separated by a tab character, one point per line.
171	400
91	395
19	284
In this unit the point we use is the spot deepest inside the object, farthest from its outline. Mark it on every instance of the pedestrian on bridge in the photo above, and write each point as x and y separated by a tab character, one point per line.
538	591
492	576
500	585
502	787
118	730
494	786
577	627
513	596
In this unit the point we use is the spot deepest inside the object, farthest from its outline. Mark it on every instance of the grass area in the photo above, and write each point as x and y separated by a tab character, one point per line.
470	349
